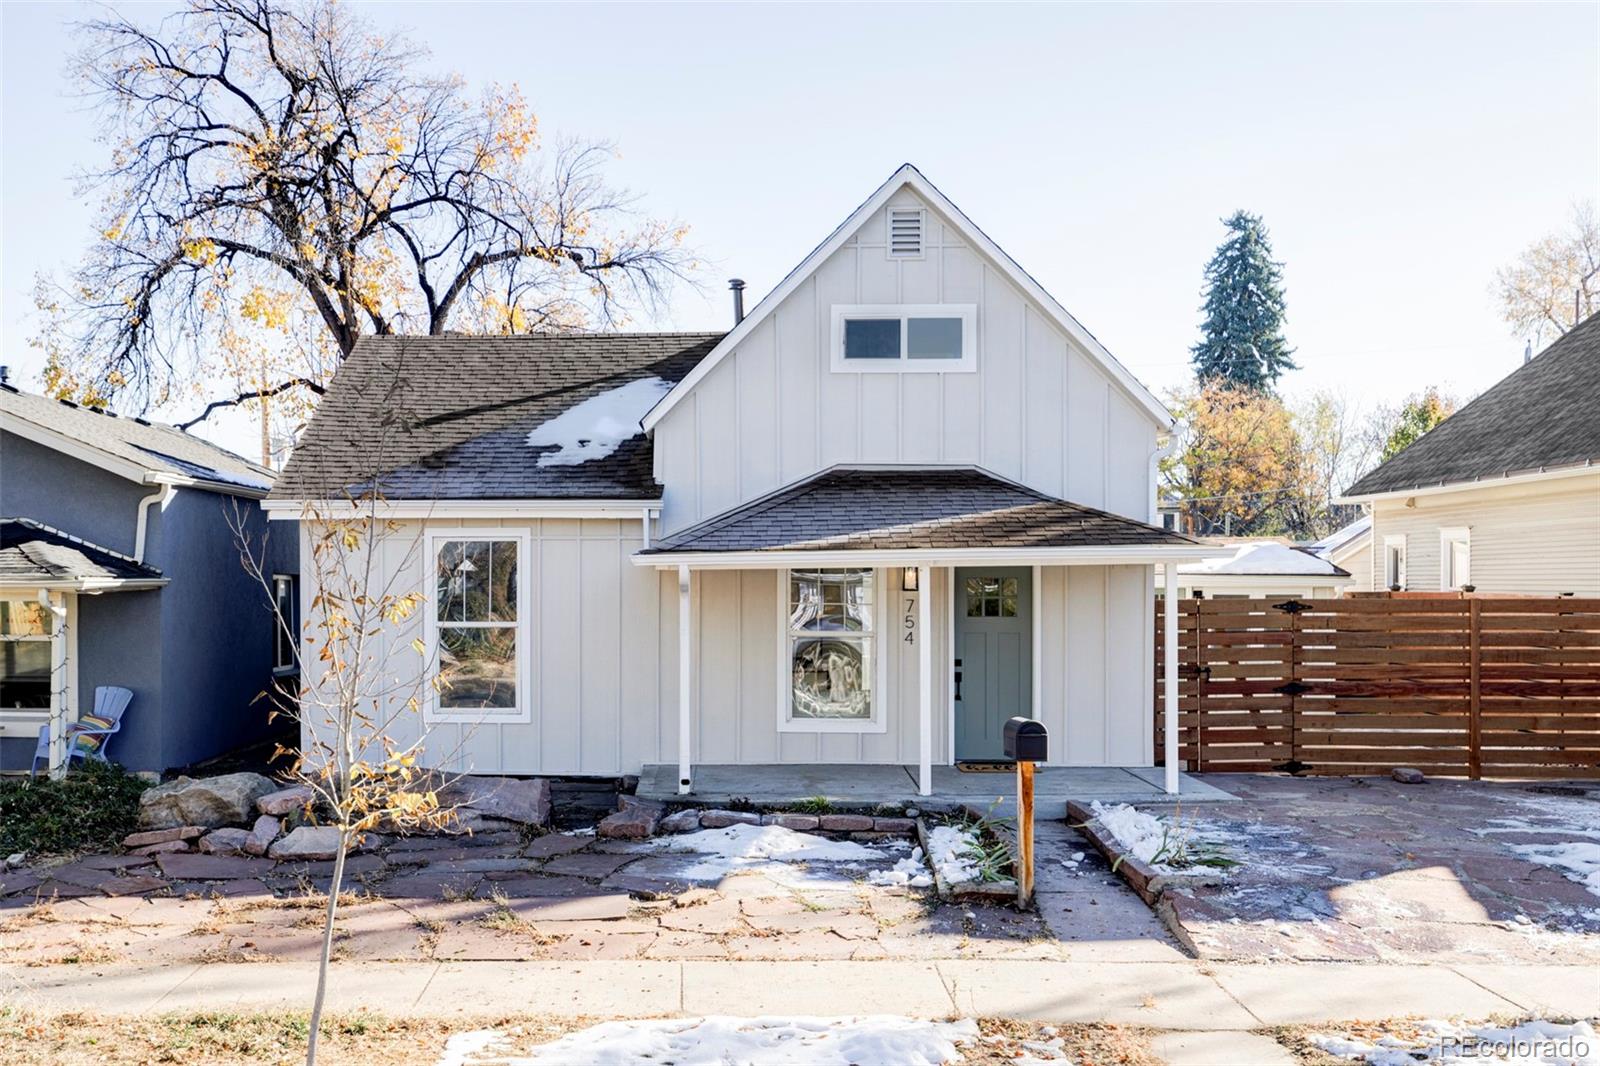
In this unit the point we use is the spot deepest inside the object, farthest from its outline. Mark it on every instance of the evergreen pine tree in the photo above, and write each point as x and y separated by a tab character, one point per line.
1242	336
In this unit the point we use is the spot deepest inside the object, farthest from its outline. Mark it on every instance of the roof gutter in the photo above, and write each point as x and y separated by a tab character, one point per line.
1111	555
292	510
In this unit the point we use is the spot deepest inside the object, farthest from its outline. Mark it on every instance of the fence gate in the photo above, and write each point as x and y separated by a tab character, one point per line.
1465	687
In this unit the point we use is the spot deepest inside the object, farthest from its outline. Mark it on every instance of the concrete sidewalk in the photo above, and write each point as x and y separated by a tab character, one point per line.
1158	995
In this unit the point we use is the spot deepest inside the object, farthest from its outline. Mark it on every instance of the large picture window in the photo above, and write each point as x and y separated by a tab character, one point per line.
25	627
476	624
830	645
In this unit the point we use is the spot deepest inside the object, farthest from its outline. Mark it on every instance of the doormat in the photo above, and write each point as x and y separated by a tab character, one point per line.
986	767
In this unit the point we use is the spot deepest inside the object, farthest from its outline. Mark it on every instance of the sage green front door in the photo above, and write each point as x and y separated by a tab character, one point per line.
994	656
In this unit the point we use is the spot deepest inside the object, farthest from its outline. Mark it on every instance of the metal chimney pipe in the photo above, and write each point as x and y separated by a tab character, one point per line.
5	373
737	285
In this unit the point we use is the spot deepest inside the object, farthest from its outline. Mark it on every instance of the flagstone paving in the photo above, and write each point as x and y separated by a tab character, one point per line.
496	896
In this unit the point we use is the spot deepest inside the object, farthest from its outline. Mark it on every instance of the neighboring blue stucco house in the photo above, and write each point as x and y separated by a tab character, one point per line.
120	565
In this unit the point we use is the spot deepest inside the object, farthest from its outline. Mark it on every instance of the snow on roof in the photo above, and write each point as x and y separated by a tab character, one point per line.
597	427
1342	536
1265	558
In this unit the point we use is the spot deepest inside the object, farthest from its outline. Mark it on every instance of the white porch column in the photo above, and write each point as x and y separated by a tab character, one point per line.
685	681
55	603
1169	605
924	681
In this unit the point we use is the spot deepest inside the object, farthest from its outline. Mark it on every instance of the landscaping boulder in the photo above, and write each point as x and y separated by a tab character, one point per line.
166	847
684	821
212	802
524	800
636	820
1408	775
227	841
163	836
307	842
262	834
846	823
284	800
723	819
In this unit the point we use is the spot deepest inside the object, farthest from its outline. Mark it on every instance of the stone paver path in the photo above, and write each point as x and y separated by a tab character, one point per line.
495	895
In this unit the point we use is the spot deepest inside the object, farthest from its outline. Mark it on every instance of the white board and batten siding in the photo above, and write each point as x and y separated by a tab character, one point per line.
1037	409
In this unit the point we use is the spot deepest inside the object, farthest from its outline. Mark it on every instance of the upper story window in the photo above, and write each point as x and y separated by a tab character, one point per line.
905	338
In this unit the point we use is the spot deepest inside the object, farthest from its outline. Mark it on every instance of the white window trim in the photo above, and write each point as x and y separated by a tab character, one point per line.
1448	535
879	722
968	363
1394	540
292	623
888	232
431	711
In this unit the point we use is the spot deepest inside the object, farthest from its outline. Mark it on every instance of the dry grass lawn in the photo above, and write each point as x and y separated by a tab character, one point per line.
37	1038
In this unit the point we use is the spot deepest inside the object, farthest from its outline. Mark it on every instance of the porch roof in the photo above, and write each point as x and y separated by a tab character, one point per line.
34	555
951	510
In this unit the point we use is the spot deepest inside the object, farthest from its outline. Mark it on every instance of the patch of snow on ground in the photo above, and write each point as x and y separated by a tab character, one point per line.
1577	861
911	871
462	1046
596	427
764	848
1142	834
768	1041
1534	1043
951	850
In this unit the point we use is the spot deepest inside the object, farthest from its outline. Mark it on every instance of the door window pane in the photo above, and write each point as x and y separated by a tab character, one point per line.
991	597
872	338
933	338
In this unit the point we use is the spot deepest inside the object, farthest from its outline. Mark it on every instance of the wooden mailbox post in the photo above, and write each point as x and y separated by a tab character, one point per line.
1026	741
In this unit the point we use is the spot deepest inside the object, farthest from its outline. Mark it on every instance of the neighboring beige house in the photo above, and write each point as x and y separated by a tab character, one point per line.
905	499
1503	496
1350	549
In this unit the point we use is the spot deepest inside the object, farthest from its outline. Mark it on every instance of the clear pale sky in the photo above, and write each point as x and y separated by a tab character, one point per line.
1399	153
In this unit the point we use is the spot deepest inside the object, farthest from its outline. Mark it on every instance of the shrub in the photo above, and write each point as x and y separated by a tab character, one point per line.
92	807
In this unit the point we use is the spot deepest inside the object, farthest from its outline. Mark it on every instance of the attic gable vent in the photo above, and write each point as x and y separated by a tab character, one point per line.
905	232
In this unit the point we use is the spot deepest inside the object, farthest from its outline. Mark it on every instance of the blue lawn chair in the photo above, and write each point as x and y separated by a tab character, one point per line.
90	735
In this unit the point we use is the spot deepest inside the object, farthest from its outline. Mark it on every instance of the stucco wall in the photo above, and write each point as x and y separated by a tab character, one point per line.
42	484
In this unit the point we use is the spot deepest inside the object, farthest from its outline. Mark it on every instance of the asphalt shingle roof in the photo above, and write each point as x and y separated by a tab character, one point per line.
1540	416
30	552
877	509
442	418
165	449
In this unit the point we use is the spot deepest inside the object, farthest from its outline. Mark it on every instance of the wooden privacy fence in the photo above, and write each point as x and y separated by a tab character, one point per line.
1471	687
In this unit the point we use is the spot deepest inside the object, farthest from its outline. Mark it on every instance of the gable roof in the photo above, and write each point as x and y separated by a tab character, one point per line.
1539	417
910	176
134	448
1267	559
852	508
1342	539
33	554
448	418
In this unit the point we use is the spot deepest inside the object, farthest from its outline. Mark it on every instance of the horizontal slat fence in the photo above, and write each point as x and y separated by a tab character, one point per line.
1465	687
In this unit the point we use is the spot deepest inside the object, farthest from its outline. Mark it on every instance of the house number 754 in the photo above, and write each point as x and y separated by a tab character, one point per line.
911	621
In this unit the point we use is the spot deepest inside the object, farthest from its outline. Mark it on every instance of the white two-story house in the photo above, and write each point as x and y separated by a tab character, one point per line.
904	499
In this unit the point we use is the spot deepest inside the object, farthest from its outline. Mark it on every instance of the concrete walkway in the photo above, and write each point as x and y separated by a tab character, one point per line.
857	784
1175	996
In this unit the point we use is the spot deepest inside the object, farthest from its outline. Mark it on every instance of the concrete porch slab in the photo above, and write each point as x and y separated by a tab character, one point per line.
776	784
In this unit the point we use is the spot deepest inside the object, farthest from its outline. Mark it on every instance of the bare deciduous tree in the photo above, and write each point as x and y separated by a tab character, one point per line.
1553	284
285	178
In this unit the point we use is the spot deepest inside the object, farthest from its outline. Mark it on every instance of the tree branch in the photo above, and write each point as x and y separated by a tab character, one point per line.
255	394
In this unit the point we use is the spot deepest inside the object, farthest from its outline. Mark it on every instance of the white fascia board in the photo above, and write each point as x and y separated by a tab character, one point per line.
909	175
227	488
296	510
777	560
1531	477
89	586
77	449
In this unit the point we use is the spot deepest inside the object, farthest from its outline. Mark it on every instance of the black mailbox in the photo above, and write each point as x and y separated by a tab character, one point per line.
1027	740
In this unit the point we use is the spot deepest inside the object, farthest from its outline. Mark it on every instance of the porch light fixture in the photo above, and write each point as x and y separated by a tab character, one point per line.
908	579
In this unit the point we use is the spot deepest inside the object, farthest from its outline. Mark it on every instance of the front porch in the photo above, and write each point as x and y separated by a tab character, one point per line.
853	784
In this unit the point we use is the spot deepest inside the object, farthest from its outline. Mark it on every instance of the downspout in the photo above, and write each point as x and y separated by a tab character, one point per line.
161	496
1163	449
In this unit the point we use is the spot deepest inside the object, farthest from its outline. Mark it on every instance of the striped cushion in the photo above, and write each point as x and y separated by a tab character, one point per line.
88	742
